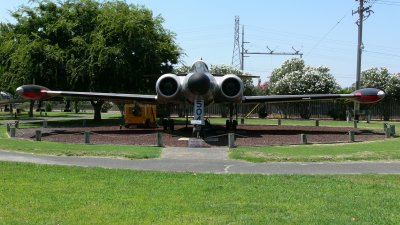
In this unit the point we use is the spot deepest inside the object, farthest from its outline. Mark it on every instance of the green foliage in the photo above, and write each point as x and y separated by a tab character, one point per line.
85	46
106	106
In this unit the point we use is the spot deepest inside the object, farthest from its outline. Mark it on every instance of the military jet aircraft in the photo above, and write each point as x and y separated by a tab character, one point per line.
8	99
199	87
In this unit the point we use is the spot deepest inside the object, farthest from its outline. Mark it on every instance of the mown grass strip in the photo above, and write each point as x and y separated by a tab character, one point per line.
369	151
43	194
70	149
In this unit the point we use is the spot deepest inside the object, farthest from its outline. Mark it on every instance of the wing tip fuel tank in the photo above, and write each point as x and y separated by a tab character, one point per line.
369	95
33	92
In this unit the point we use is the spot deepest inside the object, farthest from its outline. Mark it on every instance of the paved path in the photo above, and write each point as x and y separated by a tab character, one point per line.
195	153
206	161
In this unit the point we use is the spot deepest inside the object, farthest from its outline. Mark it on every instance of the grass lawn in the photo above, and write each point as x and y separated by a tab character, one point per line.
54	148
43	194
71	149
376	150
376	124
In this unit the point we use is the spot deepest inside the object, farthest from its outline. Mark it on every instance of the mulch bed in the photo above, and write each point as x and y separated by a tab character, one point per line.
246	135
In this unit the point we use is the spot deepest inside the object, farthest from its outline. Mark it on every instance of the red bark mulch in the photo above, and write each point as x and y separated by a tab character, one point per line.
246	135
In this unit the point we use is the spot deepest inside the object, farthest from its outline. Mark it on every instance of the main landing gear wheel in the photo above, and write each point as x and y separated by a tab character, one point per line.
168	124
231	126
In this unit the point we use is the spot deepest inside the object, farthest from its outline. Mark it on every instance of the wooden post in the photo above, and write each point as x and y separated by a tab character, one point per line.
348	116
231	140
12	132
159	137
38	135
351	136
317	123
279	122
87	137
387	133
303	139
393	130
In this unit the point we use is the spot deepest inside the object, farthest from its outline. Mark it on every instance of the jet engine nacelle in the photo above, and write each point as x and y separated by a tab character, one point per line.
168	88
231	88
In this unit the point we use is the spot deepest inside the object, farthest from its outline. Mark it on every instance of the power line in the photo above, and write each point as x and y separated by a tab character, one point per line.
326	35
390	3
383	53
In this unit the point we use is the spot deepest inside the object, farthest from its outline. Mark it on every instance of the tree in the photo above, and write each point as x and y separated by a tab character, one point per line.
295	78
381	78
87	46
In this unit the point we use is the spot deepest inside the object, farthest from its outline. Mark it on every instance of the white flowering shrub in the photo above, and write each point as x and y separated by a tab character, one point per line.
376	78
182	69
294	78
382	79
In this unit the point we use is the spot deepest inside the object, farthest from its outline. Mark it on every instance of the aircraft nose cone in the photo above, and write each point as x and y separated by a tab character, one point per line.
381	94
20	90
199	83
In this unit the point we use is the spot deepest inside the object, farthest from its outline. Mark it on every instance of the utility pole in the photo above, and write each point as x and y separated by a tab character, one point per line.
243	51
360	47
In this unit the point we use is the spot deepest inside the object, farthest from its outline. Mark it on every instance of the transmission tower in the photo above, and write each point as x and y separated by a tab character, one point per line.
236	47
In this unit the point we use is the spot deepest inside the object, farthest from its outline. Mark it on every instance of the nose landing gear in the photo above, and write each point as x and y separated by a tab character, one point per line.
201	131
168	124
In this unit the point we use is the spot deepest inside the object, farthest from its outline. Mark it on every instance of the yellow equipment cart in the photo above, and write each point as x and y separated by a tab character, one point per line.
140	115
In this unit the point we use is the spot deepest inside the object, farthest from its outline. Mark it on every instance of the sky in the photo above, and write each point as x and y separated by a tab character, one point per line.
324	31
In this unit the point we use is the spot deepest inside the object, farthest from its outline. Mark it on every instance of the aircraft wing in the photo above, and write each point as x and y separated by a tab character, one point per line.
36	92
366	95
11	101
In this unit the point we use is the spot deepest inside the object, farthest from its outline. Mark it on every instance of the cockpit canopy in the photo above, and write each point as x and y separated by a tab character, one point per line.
199	67
5	95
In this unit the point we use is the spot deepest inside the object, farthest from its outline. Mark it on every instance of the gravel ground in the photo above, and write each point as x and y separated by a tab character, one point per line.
246	135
